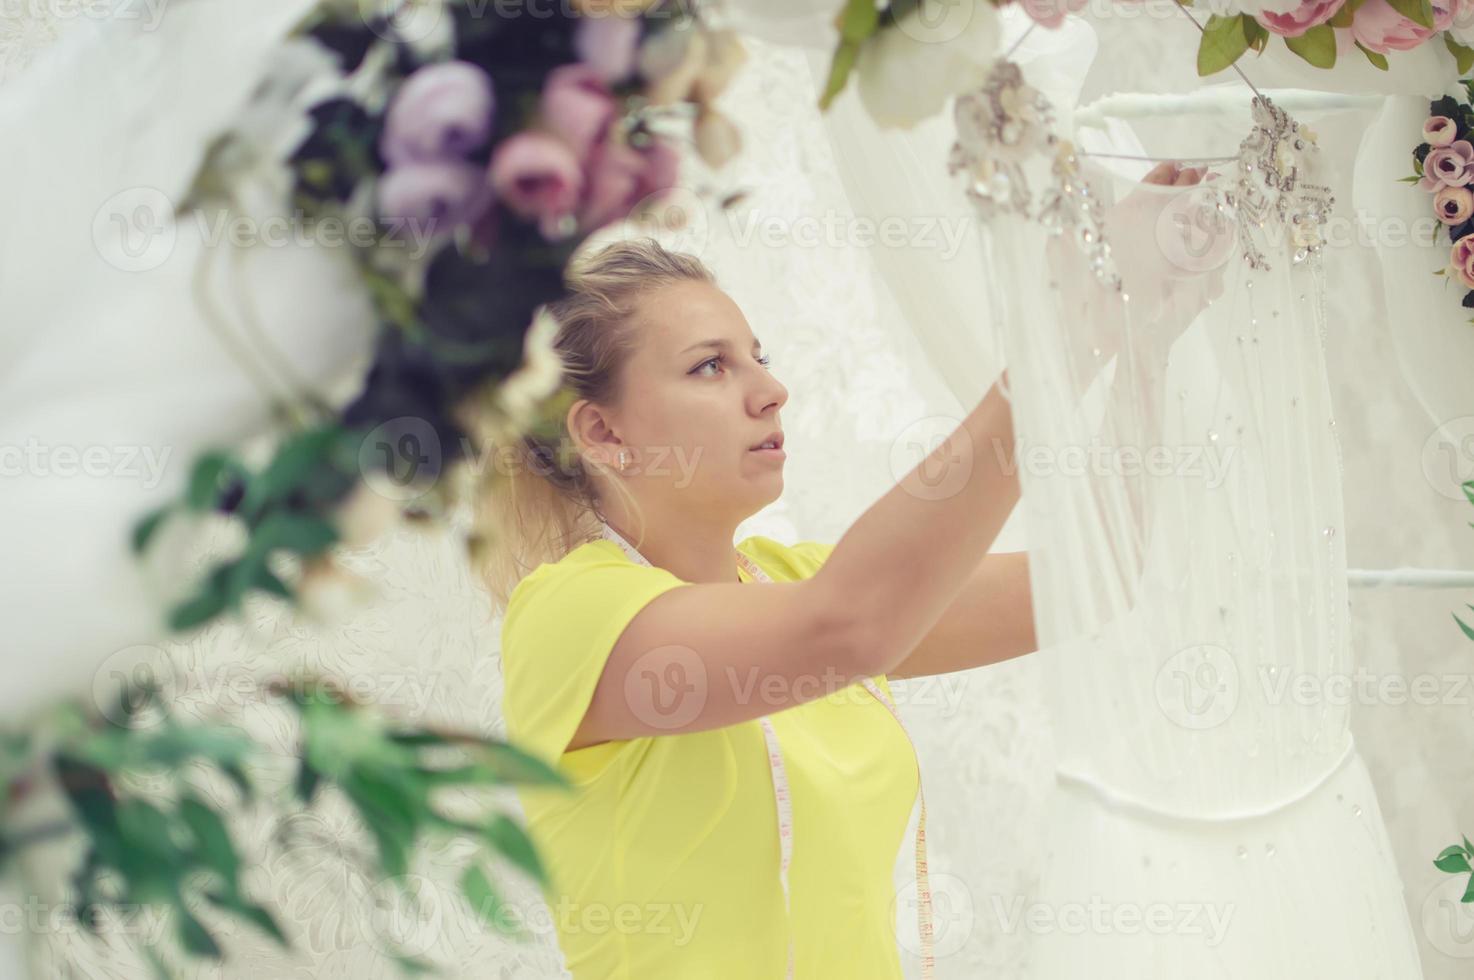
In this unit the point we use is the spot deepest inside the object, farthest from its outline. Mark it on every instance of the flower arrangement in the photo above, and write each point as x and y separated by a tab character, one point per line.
911	55
1317	30
483	153
1443	165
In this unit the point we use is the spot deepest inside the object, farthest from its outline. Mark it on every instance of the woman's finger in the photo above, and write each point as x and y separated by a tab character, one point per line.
1162	173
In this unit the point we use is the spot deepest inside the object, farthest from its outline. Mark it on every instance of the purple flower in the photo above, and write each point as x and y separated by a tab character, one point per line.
441	112
436	195
1451	166
608	43
539	178
1440	131
577	107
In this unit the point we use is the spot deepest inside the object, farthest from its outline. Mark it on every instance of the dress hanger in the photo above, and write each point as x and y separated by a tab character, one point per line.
1217	99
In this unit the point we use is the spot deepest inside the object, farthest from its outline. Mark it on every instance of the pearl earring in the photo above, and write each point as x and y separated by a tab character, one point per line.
621	461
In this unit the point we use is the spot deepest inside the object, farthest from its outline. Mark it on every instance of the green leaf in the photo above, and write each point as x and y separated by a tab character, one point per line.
1463	626
208	603
840	67
145	529
1418	11
512	765
1410	180
411	966
858	20
1224	41
1468	487
1468	848
215	848
237	775
156	963
1317	46
1255	33
302	533
307	783
251	912
1377	60
206	477
289	468
512	841
1452	860
1343	16
193	936
1468	891
1464	56
482	895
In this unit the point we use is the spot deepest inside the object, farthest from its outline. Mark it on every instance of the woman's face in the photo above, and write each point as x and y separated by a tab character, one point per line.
697	396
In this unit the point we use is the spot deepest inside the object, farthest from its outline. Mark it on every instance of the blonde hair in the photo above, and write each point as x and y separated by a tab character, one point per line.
545	506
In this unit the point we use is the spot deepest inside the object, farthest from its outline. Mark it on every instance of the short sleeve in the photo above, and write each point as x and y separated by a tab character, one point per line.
561	623
807	556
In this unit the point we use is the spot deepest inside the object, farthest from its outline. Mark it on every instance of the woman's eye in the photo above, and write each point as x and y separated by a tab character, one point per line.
765	361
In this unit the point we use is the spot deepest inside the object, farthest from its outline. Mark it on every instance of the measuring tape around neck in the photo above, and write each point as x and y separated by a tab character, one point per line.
785	801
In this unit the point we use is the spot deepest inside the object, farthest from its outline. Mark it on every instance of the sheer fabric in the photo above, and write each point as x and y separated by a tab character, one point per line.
1181	478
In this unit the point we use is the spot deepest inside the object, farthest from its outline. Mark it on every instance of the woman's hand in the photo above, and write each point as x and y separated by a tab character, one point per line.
1170	249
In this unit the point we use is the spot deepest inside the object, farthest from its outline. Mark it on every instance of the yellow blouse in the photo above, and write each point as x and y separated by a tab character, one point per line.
664	860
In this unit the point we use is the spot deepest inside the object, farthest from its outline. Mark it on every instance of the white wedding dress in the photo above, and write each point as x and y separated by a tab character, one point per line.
1213	818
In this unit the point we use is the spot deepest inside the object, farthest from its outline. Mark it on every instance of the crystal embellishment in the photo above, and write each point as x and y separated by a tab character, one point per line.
1005	132
1277	168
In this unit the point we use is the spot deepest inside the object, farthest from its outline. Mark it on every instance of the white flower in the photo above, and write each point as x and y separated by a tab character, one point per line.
539	376
907	72
365	516
717	138
329	594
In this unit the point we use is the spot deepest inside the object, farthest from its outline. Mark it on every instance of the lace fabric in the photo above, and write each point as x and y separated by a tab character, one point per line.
1182	481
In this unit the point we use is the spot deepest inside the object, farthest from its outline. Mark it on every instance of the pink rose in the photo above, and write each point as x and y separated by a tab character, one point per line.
1293	23
577	107
1453	205
1380	28
622	177
539	178
1461	261
441	112
1450	166
1051	13
1440	131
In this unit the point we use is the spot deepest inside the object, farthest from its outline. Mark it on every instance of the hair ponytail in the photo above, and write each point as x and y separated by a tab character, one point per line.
543	505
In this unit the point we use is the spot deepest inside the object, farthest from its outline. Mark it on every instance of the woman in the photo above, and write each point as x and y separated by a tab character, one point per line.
653	661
